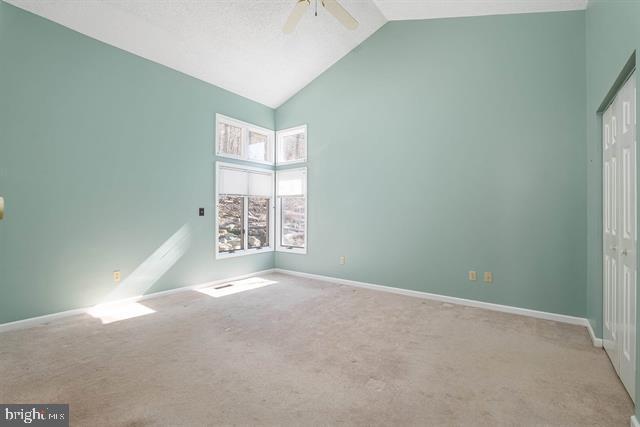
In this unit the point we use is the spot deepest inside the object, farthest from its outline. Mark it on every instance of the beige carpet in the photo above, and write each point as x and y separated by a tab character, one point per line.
304	352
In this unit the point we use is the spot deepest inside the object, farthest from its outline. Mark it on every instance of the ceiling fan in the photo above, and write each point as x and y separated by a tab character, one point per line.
332	6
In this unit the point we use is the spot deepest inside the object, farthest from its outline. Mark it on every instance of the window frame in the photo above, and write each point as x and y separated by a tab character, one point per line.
244	146
245	219
278	209
291	131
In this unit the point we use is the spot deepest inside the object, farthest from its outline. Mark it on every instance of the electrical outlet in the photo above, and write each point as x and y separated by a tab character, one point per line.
116	276
488	277
473	276
343	260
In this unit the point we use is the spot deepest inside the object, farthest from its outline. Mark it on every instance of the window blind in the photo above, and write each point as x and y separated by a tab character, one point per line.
292	182
260	184
244	182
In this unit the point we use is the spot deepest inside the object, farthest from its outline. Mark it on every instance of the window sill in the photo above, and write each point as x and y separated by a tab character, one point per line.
243	252
292	162
299	251
242	159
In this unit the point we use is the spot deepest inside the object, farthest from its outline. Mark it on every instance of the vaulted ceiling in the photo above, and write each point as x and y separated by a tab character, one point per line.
239	44
396	10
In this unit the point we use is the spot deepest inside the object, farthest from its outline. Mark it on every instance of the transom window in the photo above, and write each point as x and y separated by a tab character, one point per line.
244	207
292	145
229	140
240	140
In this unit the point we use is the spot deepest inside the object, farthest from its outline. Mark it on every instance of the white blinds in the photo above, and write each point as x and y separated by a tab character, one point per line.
244	182
292	182
233	181
260	184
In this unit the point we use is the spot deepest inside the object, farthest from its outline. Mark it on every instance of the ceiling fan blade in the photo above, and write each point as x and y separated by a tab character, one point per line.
340	13
296	15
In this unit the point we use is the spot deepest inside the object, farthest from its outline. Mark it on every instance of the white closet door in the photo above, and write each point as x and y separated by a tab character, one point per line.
610	237
628	237
619	233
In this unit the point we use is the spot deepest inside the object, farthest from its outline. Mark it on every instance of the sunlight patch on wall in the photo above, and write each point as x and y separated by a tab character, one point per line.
120	303
154	267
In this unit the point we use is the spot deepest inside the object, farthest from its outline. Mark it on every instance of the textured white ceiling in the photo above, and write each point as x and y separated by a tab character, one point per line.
239	44
395	10
235	44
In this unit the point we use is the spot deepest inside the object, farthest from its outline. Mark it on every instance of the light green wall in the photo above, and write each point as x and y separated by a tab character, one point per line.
612	35
442	146
103	157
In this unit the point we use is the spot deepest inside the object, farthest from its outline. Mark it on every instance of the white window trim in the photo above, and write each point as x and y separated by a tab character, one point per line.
291	131
246	250
278	218
246	128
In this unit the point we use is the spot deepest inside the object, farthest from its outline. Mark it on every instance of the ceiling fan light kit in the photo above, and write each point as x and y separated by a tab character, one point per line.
332	6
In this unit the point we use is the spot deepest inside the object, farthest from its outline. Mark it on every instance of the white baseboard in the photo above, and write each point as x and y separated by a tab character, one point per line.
634	421
597	342
40	320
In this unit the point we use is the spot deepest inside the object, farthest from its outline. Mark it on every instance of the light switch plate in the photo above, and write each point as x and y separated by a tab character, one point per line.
1	207
488	277
473	276
343	260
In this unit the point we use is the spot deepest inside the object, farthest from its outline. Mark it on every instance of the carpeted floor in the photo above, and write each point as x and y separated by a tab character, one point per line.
304	352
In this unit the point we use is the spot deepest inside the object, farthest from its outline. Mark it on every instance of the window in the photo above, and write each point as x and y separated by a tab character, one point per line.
230	140
291	210
244	205
260	147
292	145
293	222
230	223
244	141
258	221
